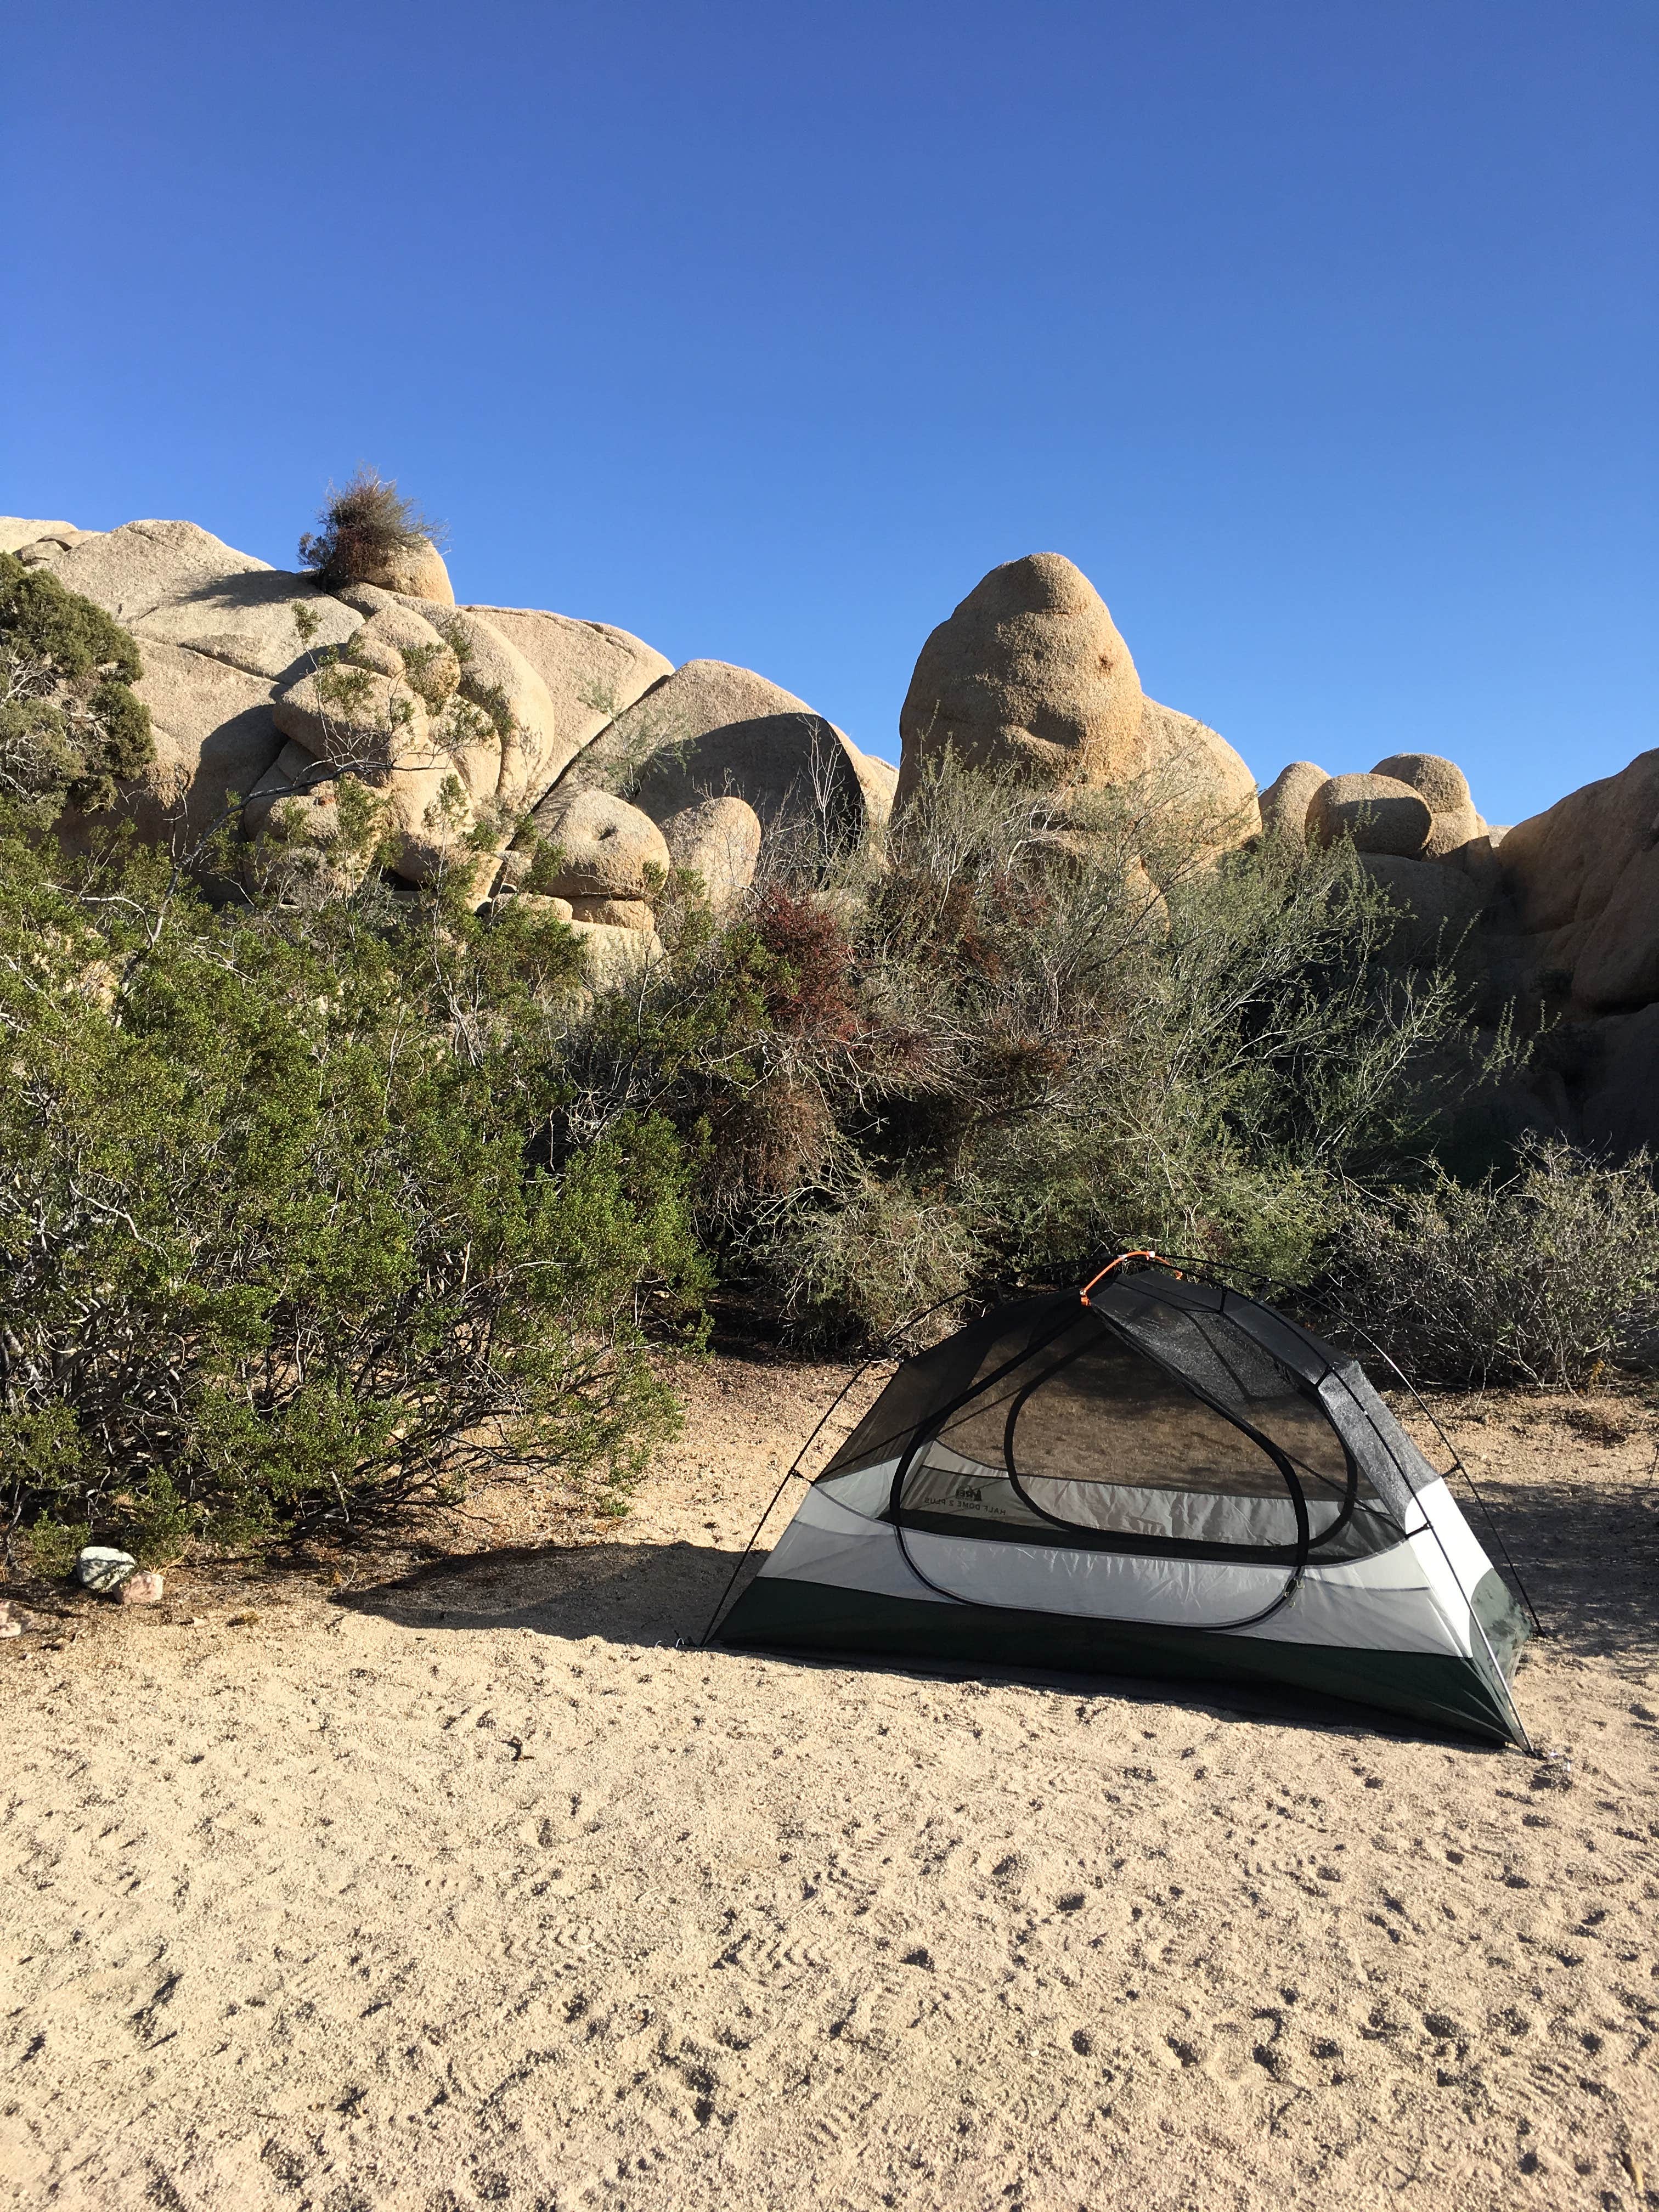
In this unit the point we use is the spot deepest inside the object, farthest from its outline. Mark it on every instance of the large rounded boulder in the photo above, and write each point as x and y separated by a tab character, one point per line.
1285	802
1029	673
719	841
1379	814
608	849
1445	788
1585	877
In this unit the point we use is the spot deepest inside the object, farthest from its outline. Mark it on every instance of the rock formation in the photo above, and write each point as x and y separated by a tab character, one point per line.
1379	814
719	841
449	715
1030	674
1285	802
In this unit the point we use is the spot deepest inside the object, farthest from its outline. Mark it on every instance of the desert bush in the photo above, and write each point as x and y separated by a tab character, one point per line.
363	524
1541	1277
71	725
1041	1025
285	1240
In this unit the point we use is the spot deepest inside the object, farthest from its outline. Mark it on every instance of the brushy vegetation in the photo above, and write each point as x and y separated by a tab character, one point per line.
317	1202
71	727
1538	1277
361	525
1040	1029
287	1236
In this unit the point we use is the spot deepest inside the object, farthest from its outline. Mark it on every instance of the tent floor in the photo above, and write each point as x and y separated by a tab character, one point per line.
787	1615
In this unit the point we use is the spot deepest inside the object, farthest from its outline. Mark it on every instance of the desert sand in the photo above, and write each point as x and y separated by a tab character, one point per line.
471	1879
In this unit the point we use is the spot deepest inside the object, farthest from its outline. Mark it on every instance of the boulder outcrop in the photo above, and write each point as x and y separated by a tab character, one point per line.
593	672
712	731
417	572
1444	789
608	849
177	583
1584	877
1029	673
1380	814
1285	802
719	841
1193	773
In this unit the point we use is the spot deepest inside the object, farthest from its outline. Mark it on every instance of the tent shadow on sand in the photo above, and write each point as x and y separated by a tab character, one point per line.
656	1594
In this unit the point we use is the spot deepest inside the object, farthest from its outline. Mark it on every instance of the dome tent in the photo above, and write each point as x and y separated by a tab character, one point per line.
1160	1477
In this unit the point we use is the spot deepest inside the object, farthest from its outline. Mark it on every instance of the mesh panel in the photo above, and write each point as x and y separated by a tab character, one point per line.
926	1384
1043	1418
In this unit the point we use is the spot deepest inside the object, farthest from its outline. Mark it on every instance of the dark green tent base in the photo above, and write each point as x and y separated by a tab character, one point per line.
785	1615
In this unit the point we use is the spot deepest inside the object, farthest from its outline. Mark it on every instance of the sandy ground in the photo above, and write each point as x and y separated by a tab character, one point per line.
466	1882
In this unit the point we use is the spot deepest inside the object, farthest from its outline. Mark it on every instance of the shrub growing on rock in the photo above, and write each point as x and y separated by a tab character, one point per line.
363	528
71	724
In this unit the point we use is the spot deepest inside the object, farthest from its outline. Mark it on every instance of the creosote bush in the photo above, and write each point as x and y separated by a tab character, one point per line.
1540	1278
363	524
1043	1026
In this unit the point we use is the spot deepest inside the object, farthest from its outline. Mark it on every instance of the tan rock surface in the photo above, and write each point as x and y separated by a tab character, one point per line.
293	769
712	731
215	736
1439	903
1588	869
1028	673
1192	769
720	841
495	677
383	736
592	671
178	583
1285	802
400	643
1380	815
16	531
616	912
1441	782
611	850
417	573
295	848
1445	788
878	779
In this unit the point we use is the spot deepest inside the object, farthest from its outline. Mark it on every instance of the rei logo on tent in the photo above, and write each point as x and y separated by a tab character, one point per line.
1158	1477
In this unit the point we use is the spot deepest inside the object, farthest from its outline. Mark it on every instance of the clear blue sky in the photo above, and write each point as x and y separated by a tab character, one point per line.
1322	335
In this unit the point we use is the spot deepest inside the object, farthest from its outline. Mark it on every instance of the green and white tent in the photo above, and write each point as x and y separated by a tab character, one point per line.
1159	1477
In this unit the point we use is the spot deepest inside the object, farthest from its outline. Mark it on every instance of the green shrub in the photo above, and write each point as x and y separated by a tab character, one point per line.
71	725
1539	1277
284	1240
363	525
1045	1025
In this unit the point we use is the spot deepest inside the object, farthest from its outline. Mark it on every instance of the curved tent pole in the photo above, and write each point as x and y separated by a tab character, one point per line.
883	1351
1204	1270
1293	1581
1457	1459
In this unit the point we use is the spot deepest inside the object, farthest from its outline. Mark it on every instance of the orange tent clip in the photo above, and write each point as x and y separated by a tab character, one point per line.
1157	1259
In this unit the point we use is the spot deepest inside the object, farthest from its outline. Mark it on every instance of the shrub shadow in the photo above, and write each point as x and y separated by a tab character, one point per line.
626	1593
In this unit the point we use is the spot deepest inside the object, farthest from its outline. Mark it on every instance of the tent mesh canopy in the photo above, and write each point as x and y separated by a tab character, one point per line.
1215	1461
